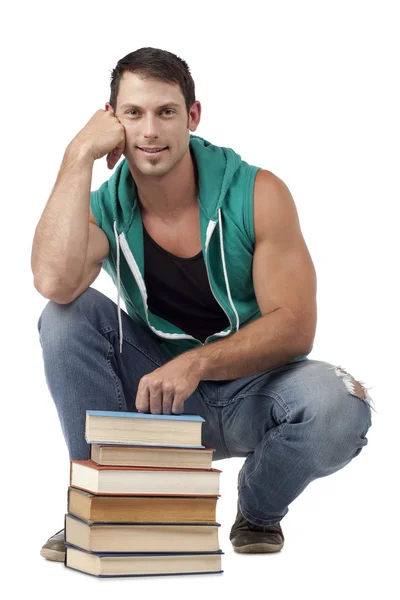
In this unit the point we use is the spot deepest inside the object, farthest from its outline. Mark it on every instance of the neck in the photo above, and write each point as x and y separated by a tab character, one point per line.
170	196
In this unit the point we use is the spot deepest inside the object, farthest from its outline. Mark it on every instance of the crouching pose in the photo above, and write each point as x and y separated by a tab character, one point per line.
207	253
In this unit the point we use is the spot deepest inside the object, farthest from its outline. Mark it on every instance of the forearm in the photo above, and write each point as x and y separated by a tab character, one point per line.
61	236
266	343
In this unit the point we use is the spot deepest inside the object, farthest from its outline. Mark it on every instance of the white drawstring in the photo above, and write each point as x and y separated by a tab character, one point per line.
119	288
228	289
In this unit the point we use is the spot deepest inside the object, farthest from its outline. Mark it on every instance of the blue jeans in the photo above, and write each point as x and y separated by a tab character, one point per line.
294	423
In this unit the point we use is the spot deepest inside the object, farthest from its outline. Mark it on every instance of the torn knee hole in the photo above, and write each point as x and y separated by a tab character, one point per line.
352	385
356	388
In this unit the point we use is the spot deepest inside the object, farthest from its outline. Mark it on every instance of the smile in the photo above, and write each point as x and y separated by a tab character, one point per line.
153	150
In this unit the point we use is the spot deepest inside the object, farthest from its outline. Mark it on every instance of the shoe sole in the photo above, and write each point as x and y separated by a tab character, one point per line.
54	555
258	548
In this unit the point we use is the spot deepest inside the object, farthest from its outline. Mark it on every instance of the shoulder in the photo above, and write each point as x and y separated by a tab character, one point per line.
275	213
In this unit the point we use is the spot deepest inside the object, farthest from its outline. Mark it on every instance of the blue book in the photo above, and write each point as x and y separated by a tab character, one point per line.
114	564
143	429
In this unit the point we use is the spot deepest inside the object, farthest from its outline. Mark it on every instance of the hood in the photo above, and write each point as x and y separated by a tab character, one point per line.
216	167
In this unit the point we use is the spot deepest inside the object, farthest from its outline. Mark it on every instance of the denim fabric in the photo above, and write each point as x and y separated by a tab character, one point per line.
294	423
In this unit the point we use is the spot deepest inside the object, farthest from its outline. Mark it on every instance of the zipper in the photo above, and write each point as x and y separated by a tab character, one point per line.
212	291
142	289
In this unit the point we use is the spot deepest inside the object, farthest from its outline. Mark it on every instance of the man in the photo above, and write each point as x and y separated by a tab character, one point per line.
207	253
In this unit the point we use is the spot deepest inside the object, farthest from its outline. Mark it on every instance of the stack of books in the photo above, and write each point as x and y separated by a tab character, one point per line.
145	502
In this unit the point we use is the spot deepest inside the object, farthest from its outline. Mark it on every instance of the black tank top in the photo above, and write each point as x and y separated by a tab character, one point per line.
178	290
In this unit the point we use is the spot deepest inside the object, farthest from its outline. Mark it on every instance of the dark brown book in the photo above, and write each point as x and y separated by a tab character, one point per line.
144	509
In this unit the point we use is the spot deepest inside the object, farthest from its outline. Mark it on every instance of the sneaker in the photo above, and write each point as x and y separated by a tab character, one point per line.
54	548
247	537
250	538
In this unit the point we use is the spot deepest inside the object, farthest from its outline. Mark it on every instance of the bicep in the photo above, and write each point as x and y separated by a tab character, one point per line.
283	271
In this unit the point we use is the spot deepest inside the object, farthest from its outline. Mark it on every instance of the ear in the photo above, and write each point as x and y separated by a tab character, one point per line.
109	108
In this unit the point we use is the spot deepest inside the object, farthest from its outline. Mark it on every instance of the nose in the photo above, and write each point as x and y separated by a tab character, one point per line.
150	128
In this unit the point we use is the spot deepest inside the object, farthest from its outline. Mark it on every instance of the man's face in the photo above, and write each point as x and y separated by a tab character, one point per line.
154	115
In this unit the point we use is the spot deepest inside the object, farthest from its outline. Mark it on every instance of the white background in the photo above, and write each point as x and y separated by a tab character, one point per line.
308	90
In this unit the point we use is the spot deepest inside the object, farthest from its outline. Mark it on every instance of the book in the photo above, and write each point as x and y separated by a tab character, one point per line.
108	427
151	456
128	565
141	537
115	480
144	509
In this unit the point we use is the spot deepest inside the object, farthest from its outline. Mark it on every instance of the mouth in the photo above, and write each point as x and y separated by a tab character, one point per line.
152	151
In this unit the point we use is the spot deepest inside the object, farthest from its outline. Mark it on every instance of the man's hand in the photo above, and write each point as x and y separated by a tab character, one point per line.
165	390
102	135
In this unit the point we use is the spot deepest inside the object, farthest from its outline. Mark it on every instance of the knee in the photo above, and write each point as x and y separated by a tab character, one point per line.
354	387
57	320
54	311
340	429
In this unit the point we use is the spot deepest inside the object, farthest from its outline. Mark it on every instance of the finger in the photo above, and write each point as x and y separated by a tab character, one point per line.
142	401
116	155
155	400
110	161
177	405
112	158
120	149
167	401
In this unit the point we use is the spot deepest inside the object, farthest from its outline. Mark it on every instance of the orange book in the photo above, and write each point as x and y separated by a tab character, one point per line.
141	509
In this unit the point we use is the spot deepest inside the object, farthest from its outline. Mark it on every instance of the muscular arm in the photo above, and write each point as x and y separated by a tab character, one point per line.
285	285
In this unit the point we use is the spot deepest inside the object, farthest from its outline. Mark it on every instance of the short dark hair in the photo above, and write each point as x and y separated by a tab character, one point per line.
155	64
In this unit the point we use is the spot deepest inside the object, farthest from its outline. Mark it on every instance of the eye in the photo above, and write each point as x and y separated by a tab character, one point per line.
133	110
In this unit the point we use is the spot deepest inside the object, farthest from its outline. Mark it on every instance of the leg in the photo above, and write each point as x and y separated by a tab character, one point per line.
295	424
85	370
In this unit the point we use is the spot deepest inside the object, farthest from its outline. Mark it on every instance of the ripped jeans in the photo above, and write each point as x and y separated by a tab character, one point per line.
294	423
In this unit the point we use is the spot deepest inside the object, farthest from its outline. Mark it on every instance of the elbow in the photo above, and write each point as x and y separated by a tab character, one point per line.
306	343
56	294
305	336
307	348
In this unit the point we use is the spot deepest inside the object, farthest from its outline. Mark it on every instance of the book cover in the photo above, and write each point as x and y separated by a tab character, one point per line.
93	465
86	475
141	537
128	568
137	415
151	456
101	524
168	436
139	508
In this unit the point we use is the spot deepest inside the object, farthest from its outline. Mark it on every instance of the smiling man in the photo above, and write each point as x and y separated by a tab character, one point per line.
207	253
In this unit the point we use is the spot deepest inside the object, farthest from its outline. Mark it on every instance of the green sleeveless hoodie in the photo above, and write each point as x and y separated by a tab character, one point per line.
226	186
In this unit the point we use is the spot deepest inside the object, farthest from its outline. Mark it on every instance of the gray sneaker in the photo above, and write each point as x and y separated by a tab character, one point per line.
54	548
253	539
